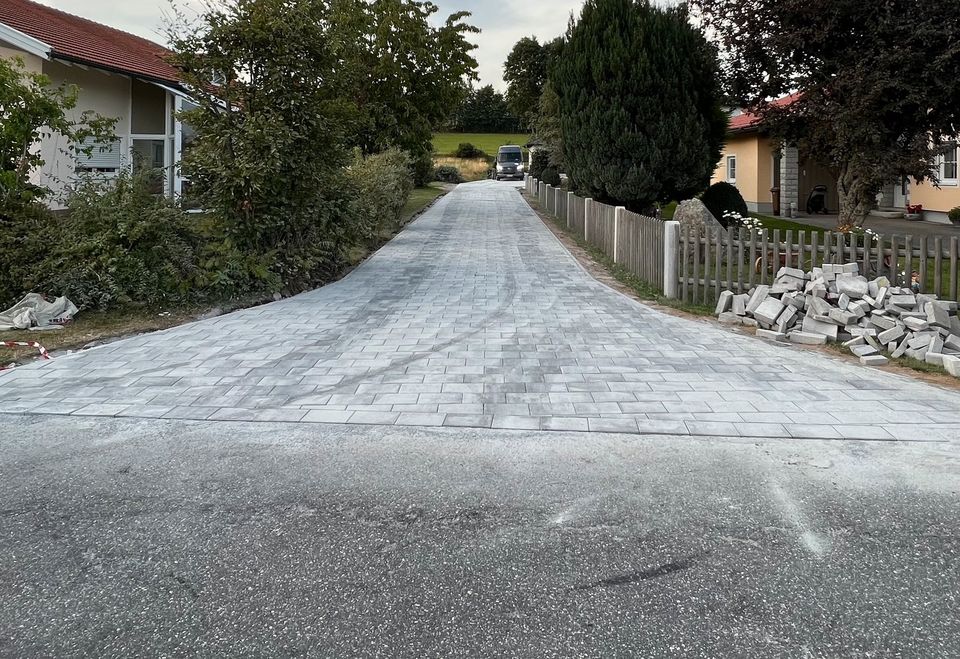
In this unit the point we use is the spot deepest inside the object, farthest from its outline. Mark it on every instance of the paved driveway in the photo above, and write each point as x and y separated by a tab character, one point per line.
476	316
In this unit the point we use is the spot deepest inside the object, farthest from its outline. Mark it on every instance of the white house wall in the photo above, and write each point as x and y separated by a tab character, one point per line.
103	93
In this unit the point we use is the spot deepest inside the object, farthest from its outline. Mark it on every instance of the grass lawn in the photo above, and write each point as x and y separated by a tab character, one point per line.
446	143
419	199
771	223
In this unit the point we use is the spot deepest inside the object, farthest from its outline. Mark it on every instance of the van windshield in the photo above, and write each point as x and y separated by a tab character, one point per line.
510	156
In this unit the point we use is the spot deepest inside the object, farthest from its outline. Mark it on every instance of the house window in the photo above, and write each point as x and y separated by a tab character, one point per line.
948	166
731	169
92	156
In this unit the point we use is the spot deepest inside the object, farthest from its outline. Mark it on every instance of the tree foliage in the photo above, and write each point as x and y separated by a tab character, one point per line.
877	81
484	110
638	93
286	89
31	108
525	73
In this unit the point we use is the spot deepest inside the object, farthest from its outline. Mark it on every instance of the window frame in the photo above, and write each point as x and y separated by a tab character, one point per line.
732	160
954	180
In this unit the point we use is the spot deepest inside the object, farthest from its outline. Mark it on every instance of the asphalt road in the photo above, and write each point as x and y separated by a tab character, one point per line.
126	537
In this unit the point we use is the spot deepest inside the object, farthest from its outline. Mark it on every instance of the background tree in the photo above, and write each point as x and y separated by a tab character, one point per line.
485	110
525	73
32	108
879	91
547	128
639	100
403	76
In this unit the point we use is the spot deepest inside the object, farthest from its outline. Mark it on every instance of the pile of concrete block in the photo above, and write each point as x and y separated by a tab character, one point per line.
835	303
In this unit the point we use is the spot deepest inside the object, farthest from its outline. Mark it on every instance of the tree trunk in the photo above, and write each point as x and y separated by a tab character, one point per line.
856	198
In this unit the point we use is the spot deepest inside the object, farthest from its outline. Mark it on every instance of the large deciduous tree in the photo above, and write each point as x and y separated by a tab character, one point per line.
877	83
525	73
485	110
639	99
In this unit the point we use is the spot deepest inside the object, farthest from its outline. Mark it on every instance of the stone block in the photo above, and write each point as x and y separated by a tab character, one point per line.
791	272
759	294
936	344
937	316
915	324
779	289
853	286
728	318
748	322
806	338
740	304
812	326
952	342
863	351
891	335
787	319
725	303
863	331
854	342
850	268
770	335
880	299
882	322
844	302
768	311
842	317
817	306
935	358
905	301
919	354
952	364
920	340
874	360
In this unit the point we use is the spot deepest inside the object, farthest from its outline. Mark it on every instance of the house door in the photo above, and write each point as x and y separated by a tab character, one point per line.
901	193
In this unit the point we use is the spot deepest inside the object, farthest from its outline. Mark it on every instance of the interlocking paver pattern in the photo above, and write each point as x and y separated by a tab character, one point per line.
476	315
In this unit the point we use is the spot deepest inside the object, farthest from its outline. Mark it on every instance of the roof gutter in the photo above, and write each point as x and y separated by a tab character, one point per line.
24	42
70	59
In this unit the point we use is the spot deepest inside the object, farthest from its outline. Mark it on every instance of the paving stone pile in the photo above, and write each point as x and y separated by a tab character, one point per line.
835	303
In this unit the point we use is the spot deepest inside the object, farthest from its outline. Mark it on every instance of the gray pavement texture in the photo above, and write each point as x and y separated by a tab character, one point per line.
476	316
128	537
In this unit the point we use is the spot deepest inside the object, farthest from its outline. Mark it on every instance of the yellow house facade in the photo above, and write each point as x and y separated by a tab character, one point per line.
772	178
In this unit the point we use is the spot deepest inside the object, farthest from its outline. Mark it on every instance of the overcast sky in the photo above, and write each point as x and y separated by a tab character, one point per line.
503	22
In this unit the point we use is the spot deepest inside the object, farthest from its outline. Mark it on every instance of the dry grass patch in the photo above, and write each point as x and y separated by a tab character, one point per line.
471	170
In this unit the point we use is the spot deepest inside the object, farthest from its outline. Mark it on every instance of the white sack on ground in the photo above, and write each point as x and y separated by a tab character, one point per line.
34	311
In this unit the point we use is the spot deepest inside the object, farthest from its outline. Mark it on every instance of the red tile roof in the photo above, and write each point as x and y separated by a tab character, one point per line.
749	121
80	40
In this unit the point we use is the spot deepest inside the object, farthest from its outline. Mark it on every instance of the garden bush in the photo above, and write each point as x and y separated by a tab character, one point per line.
447	174
722	198
550	176
954	215
539	161
117	245
383	183
469	151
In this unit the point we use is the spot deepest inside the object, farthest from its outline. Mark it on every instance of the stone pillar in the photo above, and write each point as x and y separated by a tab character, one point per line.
789	180
671	259
617	217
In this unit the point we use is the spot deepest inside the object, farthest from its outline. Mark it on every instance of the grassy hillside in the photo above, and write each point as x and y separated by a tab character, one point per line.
446	143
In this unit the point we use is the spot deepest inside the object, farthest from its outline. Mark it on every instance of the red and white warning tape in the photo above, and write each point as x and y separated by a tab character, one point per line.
23	344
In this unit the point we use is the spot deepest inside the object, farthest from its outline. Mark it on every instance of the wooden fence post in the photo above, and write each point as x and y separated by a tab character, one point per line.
671	250
571	202
617	216
587	214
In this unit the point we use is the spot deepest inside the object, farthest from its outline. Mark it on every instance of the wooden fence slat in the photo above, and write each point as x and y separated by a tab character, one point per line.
953	293
686	261
938	266
718	279
814	250
753	258
764	256
788	249
696	266
908	254
924	280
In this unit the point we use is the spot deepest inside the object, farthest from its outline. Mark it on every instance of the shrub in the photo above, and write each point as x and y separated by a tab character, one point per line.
383	183
550	176
469	151
118	245
954	215
539	161
722	198
447	174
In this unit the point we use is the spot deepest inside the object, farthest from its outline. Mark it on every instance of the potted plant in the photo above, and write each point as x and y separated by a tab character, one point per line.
914	212
954	215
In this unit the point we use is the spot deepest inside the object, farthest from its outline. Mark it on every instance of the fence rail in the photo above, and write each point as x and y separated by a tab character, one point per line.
714	260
